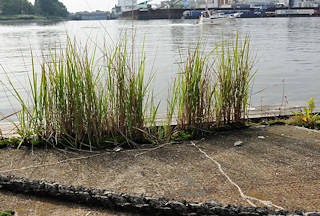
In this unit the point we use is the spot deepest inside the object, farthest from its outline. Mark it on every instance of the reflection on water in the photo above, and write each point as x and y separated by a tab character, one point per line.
287	50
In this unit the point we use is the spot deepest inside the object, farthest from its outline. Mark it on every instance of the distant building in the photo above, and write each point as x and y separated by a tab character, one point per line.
115	12
261	1
304	3
96	15
257	3
215	3
188	3
178	4
127	5
206	3
284	2
164	4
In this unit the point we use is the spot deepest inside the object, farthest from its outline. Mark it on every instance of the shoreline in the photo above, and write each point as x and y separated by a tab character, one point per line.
255	114
31	18
44	19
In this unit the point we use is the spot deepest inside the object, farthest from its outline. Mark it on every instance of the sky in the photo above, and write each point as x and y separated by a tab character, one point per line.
91	5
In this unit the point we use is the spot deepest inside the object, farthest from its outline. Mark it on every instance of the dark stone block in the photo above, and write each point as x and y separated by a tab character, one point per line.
248	214
126	202
262	211
222	211
312	214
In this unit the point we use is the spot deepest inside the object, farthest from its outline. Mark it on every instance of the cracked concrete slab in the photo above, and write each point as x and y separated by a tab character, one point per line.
283	168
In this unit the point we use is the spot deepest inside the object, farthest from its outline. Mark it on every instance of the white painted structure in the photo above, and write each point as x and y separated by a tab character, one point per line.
126	5
305	3
203	3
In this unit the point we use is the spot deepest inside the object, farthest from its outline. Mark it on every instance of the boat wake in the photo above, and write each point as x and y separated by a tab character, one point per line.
183	24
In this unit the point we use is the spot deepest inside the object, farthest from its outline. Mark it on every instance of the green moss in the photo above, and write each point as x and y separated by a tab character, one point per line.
14	142
300	123
183	135
231	126
3	143
269	121
7	213
276	122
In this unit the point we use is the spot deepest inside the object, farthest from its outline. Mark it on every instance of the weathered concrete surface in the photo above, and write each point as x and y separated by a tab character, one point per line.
283	168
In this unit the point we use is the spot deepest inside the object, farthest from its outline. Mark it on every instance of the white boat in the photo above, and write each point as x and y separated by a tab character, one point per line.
214	17
235	15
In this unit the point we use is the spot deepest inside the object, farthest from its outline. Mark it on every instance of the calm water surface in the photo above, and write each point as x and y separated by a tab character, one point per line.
287	49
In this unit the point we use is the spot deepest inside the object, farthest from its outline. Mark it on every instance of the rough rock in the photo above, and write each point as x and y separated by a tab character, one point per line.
131	203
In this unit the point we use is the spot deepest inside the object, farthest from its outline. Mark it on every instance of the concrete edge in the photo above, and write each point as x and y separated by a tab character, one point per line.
129	203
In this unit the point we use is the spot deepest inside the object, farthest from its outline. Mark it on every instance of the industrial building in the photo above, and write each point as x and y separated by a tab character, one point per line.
127	5
145	9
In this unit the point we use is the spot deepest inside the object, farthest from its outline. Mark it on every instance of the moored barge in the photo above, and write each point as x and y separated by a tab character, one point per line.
161	13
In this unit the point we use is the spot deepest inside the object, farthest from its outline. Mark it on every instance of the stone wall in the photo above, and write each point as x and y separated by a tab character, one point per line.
129	203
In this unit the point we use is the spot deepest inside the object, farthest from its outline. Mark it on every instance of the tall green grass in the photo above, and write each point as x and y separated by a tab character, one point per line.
212	88
130	106
234	73
83	101
83	105
195	89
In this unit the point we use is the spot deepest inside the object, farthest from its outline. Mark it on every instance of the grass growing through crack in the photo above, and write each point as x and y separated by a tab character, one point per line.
82	101
234	72
212	89
82	105
128	97
194	90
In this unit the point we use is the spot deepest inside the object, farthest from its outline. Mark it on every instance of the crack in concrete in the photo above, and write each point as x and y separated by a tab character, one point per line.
249	199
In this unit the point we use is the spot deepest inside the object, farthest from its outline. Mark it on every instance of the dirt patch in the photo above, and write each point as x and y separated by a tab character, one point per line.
282	167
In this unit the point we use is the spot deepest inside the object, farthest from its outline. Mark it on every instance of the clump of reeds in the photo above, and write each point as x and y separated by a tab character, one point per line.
128	97
194	90
83	101
65	104
212	88
80	104
234	72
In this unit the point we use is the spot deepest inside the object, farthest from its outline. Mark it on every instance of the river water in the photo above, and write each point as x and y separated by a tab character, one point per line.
287	51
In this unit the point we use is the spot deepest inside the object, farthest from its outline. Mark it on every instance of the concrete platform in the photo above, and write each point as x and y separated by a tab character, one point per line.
280	164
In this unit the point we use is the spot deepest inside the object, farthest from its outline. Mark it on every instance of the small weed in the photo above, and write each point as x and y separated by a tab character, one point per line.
13	142
307	118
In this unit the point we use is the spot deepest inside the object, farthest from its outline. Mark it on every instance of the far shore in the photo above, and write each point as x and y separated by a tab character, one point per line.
29	18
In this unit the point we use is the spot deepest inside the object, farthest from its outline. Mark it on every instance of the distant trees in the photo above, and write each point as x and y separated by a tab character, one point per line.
13	7
48	8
